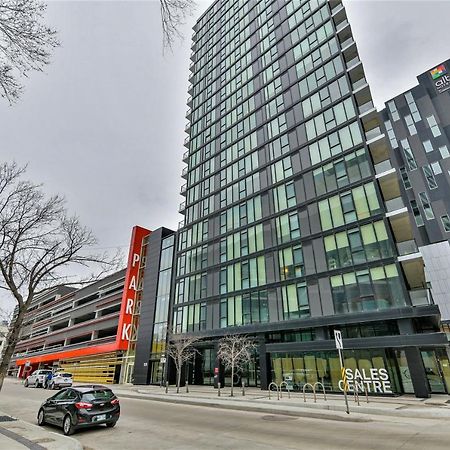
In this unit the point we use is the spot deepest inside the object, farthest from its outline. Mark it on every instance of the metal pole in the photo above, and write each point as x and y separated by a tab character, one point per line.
187	387
243	388
167	387
344	380
218	389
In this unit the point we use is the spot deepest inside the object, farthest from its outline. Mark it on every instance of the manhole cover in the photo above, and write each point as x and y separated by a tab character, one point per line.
7	419
278	418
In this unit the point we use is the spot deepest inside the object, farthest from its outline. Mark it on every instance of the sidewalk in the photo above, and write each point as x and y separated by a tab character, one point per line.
436	407
19	435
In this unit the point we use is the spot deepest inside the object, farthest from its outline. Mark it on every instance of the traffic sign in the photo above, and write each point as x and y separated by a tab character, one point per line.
338	340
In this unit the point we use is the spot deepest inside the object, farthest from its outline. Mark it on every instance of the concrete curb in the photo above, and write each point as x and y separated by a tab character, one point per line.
286	410
314	410
35	437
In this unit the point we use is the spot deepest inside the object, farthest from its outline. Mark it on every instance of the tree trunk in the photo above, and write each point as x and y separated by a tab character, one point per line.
11	342
232	380
178	378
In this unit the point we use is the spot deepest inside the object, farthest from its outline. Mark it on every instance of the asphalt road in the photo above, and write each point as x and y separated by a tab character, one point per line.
152	425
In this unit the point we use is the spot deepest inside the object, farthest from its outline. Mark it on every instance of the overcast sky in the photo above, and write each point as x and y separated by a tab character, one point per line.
105	124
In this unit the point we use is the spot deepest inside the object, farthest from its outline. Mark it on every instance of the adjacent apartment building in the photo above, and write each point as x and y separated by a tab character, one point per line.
417	123
294	220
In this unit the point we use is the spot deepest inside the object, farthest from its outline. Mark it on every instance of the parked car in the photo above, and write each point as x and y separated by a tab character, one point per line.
80	407
59	380
37	378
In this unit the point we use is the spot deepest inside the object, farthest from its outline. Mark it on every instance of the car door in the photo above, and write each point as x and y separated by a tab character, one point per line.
51	405
62	405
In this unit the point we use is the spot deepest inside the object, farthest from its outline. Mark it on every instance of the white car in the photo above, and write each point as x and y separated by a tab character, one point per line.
37	378
60	380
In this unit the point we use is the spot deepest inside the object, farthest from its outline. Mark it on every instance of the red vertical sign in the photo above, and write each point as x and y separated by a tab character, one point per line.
124	330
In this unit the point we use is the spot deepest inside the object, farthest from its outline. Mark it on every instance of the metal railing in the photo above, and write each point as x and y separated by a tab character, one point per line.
373	133
359	83
366	107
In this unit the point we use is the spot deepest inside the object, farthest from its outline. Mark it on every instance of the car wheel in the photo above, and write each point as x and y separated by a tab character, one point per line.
41	417
36	384
26	383
111	424
68	428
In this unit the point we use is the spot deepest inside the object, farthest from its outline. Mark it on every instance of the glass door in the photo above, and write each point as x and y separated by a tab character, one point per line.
433	372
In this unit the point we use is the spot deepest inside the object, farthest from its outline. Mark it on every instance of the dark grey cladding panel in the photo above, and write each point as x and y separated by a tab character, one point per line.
310	192
300	190
326	298
314	300
271	273
319	255
314	219
304	223
308	258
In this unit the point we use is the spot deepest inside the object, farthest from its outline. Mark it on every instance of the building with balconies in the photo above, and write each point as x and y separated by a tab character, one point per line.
294	220
417	123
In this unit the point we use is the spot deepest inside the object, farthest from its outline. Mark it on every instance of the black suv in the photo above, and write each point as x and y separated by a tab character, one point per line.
79	407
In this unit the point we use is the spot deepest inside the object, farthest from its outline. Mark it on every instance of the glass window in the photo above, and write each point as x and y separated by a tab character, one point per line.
444	152
393	109
433	126
426	205
428	146
429	175
436	168
405	178
446	222
417	216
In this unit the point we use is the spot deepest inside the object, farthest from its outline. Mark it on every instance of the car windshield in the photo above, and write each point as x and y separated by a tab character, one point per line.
104	394
64	375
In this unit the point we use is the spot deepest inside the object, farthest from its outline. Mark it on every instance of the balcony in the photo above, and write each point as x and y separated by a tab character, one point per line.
189	101
188	113
368	115
407	247
361	91
182	207
186	141
180	224
348	47
187	127
421	297
383	167
186	156
377	143
395	204
343	30
183	189
184	172
338	12
190	88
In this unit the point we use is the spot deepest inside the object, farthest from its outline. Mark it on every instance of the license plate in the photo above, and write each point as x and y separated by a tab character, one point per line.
100	417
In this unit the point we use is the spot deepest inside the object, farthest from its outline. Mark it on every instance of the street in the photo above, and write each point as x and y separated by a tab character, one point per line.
147	424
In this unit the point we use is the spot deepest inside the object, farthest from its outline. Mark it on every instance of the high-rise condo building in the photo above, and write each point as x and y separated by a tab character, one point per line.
417	123
294	225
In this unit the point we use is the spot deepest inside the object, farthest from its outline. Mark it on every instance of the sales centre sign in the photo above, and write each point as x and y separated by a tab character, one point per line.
373	380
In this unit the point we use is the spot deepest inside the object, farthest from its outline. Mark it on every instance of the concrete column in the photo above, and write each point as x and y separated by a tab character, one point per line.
264	363
417	371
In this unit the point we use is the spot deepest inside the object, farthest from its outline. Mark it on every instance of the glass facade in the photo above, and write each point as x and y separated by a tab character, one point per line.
284	219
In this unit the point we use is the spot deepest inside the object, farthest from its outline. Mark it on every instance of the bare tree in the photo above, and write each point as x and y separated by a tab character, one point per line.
38	242
235	352
180	349
173	15
25	43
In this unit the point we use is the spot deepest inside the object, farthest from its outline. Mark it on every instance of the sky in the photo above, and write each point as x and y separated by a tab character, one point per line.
104	124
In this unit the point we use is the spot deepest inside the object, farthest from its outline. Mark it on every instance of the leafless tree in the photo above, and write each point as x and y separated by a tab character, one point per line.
181	350
173	15
235	352
39	241
25	43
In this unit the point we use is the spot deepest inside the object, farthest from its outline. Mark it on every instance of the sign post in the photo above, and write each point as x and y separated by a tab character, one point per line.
340	348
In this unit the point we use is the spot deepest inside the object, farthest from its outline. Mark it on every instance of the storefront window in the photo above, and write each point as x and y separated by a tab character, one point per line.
369	366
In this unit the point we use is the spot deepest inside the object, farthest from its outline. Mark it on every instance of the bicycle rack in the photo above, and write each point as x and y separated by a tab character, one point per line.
278	389
323	389
304	392
287	388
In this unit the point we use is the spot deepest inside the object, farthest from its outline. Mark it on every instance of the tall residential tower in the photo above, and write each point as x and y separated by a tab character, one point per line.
293	215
